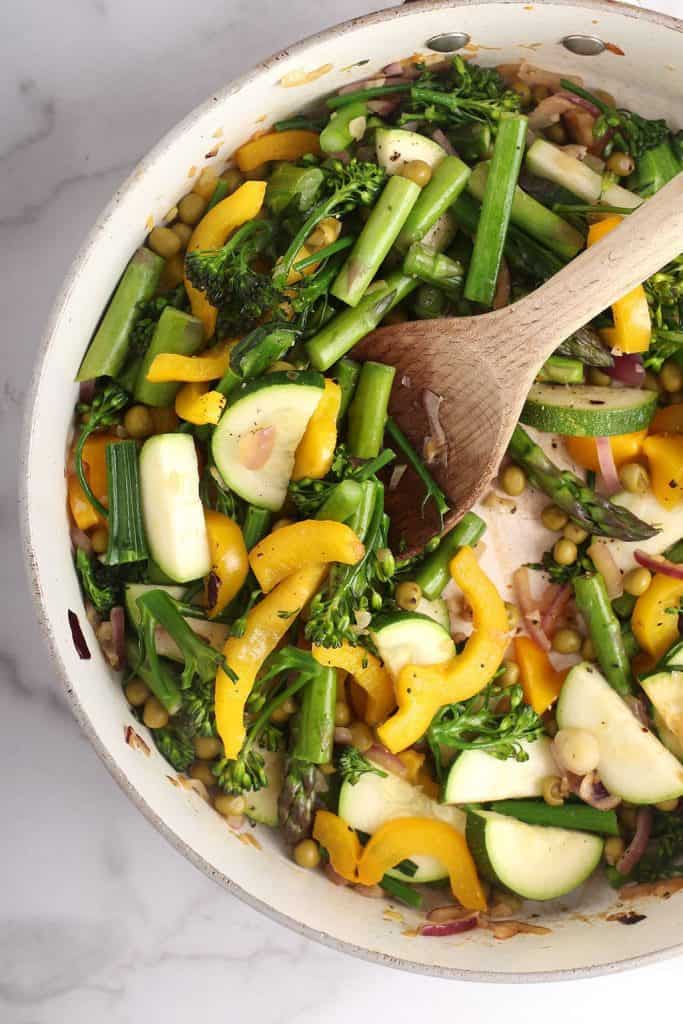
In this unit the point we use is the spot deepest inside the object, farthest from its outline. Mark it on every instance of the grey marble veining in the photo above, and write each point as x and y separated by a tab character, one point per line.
100	920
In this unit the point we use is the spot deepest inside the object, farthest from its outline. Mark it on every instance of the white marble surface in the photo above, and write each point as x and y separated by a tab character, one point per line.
100	920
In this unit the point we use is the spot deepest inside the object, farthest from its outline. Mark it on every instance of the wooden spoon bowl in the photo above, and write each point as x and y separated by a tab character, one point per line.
482	367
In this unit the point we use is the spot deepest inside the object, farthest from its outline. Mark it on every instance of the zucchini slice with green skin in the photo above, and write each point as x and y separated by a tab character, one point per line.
171	508
665	690
215	633
477	777
436	610
280	403
633	763
548	161
645	507
262	805
394	147
584	410
374	800
406	638
536	862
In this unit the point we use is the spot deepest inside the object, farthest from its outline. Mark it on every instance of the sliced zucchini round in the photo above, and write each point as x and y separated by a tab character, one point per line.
533	861
284	402
394	147
665	690
374	800
406	638
478	777
633	763
587	411
171	507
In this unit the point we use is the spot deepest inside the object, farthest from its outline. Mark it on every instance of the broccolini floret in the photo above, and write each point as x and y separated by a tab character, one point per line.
466	93
352	765
226	276
175	744
98	582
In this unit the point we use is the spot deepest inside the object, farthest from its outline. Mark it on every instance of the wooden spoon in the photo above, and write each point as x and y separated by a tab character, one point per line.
482	367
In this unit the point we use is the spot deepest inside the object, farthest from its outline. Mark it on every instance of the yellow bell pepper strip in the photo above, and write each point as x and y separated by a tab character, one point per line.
289	145
266	624
211	365
300	544
213	231
403	838
340	841
541	681
94	461
632	329
668	420
655	616
229	564
198	404
367	671
625	448
423	689
665	457
316	448
417	773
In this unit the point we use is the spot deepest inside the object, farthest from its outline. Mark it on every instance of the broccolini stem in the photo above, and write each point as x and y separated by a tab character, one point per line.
432	489
334	102
153	671
605	631
322	254
342	502
315	721
368	409
346	372
255	526
433	574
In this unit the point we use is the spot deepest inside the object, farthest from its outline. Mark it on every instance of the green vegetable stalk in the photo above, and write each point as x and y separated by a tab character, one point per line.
435	268
433	574
340	131
496	209
201	661
342	332
156	672
346	373
127	542
446	184
578	816
108	349
432	489
562	370
315	721
104	412
590	510
175	332
605	631
368	410
375	240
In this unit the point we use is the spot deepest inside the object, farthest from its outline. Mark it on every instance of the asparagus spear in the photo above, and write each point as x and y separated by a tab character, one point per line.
586	345
534	218
496	209
447	182
314	727
472	141
433	575
368	409
108	349
254	353
378	235
562	370
338	133
590	510
176	332
435	268
605	630
346	375
523	253
345	329
299	798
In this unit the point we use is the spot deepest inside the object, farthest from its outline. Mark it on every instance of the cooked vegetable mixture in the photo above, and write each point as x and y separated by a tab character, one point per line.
409	724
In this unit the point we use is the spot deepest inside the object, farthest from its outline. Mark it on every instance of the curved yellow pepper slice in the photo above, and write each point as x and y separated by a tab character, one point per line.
300	544
632	329
665	457
655	617
541	681
289	145
229	564
197	403
668	420
190	369
213	231
423	689
395	841
418	774
316	448
367	671
625	448
266	624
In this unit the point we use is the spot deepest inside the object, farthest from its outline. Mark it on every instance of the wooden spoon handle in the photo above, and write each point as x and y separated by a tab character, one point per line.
640	246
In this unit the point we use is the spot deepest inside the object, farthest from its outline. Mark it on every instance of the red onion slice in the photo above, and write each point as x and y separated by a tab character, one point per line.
579	101
383	107
529	608
592	792
442	139
657	563
117	617
556	609
80	540
342	155
363	83
608	469
254	448
82	649
385	759
463	924
638	845
628	370
86	390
